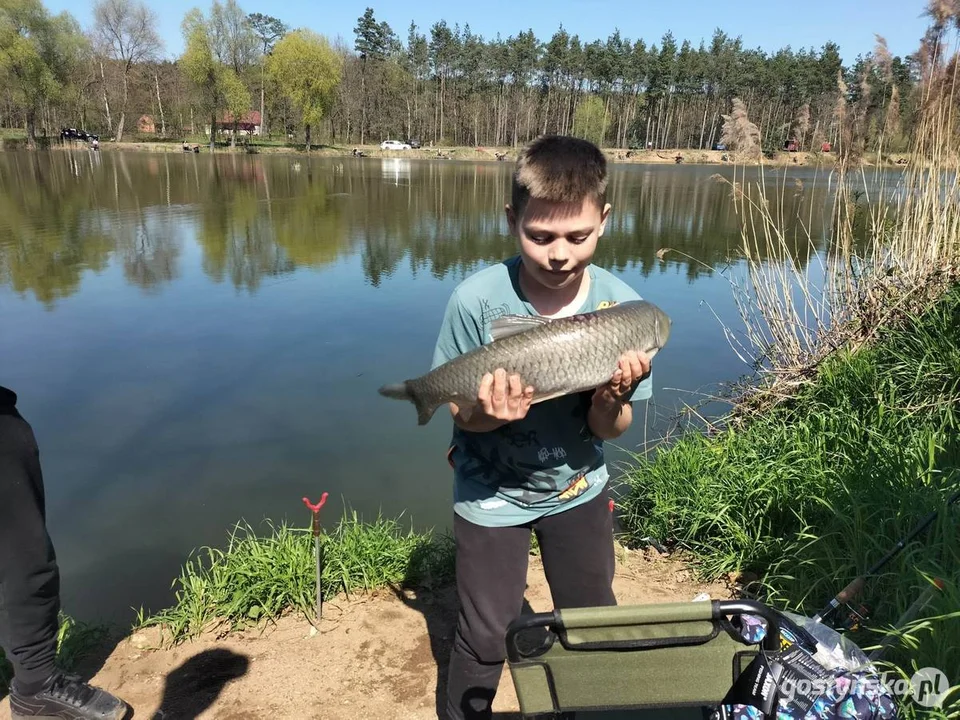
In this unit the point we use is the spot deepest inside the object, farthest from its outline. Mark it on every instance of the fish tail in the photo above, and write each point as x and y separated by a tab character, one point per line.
397	391
403	391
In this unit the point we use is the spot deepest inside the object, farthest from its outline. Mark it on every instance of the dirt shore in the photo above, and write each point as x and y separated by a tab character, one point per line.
377	656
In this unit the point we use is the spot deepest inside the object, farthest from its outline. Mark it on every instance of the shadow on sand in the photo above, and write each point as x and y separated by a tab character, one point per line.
197	683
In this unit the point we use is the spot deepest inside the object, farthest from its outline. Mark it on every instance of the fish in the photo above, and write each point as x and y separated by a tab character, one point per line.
556	356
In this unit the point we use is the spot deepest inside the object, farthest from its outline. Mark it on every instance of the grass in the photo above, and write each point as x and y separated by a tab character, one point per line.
818	488
258	578
879	430
74	641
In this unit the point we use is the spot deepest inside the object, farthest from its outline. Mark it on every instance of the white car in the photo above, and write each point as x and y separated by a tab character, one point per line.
393	145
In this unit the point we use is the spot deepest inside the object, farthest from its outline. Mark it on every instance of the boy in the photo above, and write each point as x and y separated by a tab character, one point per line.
520	467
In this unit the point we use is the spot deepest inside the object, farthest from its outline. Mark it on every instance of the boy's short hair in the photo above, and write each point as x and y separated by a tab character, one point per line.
559	168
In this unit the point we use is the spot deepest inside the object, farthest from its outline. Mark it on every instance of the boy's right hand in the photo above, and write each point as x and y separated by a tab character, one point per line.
504	398
500	400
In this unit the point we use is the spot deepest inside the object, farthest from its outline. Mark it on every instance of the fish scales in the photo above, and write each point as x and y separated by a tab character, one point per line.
568	356
556	357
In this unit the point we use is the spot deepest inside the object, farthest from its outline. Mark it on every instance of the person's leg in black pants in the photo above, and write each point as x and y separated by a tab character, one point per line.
578	560
491	579
29	578
576	548
30	586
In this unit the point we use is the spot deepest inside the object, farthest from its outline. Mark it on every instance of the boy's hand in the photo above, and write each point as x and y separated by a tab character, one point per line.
500	400
504	398
632	368
610	413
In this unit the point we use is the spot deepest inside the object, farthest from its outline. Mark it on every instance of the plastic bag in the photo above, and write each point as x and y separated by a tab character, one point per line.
834	651
833	681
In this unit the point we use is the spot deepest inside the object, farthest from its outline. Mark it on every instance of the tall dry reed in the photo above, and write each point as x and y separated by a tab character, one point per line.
891	248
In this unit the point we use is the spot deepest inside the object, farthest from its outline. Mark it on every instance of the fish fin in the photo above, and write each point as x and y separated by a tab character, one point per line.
424	413
513	324
551	396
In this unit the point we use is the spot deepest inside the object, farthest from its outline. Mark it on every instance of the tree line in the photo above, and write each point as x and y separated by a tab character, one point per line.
440	85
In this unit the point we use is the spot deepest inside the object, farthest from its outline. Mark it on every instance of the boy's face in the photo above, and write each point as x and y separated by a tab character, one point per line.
557	240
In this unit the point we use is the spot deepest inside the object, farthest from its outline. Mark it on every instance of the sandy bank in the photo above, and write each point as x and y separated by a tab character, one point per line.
375	656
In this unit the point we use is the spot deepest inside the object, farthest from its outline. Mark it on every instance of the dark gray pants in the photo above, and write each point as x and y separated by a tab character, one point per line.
29	577
578	560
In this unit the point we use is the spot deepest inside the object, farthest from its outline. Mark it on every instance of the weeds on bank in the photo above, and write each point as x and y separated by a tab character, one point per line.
260	577
819	487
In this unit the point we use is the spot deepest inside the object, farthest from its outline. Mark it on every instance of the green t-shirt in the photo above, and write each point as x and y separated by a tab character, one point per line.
547	462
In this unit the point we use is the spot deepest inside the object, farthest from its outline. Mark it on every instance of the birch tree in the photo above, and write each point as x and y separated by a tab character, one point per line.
127	31
219	85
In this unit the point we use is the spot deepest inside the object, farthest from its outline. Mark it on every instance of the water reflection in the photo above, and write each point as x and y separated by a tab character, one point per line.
221	354
46	242
150	245
395	170
255	217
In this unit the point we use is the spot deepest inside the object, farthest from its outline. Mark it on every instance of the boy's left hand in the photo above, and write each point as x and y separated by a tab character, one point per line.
632	368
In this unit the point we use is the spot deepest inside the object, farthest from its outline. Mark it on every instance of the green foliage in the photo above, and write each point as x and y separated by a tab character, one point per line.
236	97
37	52
259	578
815	491
374	40
197	61
306	71
589	120
418	53
268	30
452	82
213	61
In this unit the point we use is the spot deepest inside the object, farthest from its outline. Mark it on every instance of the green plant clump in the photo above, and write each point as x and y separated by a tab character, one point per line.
260	577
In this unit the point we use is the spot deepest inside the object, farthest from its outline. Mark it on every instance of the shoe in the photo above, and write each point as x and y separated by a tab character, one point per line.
65	697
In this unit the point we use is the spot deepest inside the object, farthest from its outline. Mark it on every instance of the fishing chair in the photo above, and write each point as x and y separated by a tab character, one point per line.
666	660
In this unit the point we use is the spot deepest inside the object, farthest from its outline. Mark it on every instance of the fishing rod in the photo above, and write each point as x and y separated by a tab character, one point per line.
911	612
855	587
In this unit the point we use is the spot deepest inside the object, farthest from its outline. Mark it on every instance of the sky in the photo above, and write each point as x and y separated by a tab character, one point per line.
852	24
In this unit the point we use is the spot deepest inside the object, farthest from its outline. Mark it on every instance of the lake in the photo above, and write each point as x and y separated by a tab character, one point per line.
198	339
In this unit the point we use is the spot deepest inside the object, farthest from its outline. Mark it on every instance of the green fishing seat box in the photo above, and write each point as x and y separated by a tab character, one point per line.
665	661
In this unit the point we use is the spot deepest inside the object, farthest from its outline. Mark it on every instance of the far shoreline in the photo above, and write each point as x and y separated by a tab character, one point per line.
624	156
